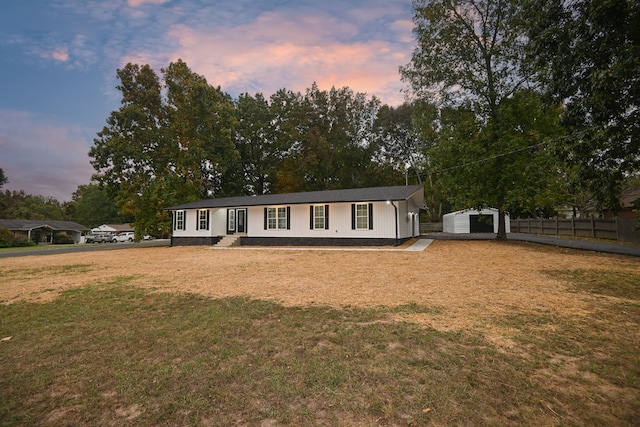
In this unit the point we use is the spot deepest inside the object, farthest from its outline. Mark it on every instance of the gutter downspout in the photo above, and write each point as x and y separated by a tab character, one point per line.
396	212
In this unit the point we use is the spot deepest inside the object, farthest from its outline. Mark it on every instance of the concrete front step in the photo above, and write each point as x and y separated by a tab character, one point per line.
229	241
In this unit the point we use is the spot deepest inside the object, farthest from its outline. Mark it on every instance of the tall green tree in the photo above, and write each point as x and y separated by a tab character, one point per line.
472	53
529	171
330	135
261	151
169	143
587	55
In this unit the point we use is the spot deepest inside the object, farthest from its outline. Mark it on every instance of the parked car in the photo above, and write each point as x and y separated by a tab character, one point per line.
98	238
127	236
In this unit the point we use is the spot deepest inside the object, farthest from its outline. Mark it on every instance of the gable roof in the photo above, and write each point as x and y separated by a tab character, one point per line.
30	224
373	194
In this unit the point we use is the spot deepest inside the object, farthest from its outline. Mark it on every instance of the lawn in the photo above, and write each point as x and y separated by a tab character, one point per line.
465	333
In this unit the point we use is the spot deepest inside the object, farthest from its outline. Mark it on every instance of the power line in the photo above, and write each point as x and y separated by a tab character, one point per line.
486	159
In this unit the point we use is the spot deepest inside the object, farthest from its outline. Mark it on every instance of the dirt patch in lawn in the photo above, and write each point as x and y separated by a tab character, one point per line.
451	285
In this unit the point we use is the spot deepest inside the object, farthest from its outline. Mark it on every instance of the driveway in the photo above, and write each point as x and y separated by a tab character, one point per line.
51	250
585	245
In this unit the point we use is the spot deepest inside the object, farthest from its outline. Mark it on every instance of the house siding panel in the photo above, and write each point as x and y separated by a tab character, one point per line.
339	224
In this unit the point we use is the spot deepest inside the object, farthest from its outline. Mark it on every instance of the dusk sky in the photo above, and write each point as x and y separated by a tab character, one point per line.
58	62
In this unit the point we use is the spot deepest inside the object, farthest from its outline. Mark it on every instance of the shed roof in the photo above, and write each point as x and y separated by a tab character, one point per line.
372	194
30	224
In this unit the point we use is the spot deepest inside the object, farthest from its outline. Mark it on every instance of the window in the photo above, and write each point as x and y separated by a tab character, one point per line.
318	222
282	218
276	218
180	222
362	216
319	217
203	219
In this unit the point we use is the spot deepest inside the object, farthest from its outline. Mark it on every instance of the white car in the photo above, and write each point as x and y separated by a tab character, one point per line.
123	237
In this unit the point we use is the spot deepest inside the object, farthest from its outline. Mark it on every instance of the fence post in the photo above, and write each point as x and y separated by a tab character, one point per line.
593	228
573	226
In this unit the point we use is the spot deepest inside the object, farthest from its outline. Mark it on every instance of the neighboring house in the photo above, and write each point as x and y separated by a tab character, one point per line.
362	216
473	221
114	229
42	231
628	197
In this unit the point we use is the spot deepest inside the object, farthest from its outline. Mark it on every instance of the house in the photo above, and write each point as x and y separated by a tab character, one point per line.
43	231
114	229
473	221
628	199
361	216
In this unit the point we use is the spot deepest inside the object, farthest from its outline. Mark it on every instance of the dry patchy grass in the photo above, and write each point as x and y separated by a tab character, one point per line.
528	334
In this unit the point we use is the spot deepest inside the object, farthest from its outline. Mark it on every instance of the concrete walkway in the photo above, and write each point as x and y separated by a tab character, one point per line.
419	245
585	245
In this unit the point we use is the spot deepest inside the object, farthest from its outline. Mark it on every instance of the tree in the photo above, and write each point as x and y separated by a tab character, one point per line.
330	135
3	179
95	206
167	144
528	168
471	53
261	152
587	55
18	205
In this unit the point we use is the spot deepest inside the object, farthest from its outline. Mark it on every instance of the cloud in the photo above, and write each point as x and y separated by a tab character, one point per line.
60	55
138	3
290	49
41	157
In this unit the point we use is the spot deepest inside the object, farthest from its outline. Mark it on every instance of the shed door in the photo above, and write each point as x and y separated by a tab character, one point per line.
481	223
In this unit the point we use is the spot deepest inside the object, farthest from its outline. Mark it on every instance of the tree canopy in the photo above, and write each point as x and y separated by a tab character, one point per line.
587	55
470	62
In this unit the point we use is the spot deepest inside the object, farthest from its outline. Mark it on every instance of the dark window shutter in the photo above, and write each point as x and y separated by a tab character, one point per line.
288	217
184	220
326	217
207	219
173	220
265	218
353	216
197	220
311	217
370	216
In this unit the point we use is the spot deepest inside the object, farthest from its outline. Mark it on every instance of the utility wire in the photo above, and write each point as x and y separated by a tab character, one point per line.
486	159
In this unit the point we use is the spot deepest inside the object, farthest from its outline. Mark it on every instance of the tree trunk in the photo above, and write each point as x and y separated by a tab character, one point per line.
502	225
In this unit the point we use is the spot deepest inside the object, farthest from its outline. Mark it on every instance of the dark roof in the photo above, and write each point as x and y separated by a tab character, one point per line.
373	194
30	224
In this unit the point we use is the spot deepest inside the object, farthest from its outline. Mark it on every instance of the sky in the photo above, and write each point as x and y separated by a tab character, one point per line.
58	62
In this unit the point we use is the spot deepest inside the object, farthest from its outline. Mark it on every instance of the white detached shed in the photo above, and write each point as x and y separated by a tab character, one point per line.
473	221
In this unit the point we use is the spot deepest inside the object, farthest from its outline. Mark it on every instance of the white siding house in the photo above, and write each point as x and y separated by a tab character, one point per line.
370	216
473	221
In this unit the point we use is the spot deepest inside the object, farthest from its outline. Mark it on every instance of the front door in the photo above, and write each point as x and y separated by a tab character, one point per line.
241	220
236	221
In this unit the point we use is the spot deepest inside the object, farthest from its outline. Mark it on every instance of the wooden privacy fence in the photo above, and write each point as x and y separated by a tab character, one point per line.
621	229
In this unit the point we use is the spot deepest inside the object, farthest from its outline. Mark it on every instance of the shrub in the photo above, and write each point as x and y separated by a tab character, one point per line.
6	237
63	239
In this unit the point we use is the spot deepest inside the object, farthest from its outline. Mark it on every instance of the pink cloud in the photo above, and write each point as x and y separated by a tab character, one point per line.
138	3
60	55
292	51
